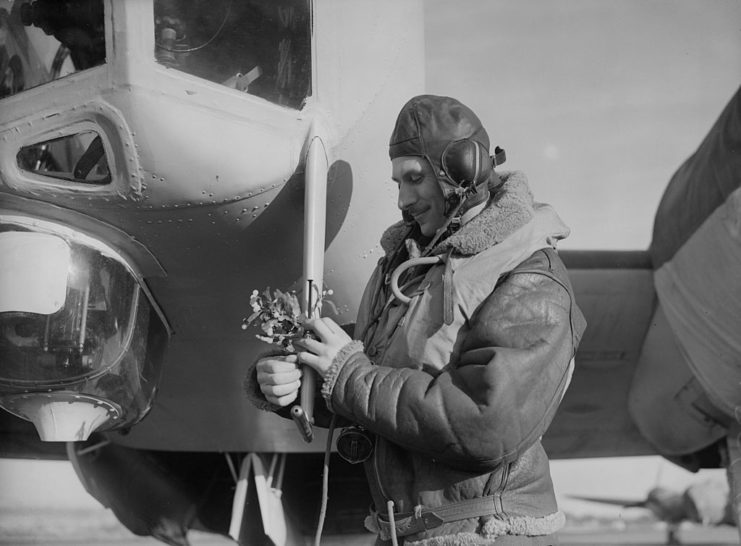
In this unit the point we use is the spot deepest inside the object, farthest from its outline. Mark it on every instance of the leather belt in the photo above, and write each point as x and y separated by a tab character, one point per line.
409	524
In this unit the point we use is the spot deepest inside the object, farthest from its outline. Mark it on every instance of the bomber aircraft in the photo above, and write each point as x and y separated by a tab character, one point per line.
162	159
706	502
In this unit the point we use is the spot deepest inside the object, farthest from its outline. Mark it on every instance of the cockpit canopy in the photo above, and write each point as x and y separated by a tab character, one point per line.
260	47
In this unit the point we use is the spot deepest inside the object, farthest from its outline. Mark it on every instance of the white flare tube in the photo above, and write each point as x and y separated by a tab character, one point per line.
315	211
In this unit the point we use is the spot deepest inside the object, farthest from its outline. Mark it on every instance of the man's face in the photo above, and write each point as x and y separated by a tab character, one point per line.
420	195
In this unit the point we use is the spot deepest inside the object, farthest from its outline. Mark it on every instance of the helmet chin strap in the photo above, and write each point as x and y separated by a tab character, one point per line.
465	193
452	217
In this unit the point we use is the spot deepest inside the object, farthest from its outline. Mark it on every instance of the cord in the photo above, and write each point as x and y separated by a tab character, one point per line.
392	522
325	483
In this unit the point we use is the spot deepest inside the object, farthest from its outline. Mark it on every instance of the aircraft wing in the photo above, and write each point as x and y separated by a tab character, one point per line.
615	292
608	500
660	362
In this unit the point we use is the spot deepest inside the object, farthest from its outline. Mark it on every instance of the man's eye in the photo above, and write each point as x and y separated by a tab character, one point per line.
415	179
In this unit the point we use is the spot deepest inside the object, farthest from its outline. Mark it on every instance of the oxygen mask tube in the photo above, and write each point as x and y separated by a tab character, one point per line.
463	193
424	258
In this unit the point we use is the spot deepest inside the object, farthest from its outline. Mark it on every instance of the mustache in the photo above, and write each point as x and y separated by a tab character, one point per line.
410	212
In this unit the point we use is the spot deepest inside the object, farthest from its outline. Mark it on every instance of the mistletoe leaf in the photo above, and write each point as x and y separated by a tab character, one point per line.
253	316
279	316
331	305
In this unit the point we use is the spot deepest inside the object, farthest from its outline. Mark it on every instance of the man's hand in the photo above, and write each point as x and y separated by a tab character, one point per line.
320	353
279	378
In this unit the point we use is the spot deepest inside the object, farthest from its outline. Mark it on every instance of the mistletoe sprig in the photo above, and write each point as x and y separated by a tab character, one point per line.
279	316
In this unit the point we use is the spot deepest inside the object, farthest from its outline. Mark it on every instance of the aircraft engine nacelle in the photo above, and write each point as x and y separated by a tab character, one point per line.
685	392
81	343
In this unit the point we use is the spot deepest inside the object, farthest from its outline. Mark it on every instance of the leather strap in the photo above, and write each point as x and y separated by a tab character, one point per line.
409	524
448	307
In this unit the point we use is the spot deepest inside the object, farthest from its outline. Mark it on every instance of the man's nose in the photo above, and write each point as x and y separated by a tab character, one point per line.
406	196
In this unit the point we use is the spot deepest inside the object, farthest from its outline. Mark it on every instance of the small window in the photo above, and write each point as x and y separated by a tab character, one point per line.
43	40
79	158
260	47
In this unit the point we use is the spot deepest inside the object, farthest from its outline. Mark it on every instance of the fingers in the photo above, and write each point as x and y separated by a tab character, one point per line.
311	360
323	327
281	401
307	344
277	364
280	393
279	379
277	372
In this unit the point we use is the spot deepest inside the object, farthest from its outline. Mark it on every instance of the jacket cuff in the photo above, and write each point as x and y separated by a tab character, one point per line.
339	361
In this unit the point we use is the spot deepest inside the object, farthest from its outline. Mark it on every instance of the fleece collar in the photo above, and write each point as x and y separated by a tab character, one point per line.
508	209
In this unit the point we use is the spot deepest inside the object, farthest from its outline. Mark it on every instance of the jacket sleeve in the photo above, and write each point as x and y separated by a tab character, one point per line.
491	404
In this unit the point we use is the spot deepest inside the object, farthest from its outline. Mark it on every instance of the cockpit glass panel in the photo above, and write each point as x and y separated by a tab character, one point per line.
86	332
43	40
78	158
260	47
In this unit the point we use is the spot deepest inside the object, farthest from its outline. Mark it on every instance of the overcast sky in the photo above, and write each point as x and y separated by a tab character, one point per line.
597	101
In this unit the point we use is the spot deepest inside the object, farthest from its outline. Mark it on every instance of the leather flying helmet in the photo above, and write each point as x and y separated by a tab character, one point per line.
451	137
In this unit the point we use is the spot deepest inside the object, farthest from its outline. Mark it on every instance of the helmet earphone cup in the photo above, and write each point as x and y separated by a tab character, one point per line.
466	163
